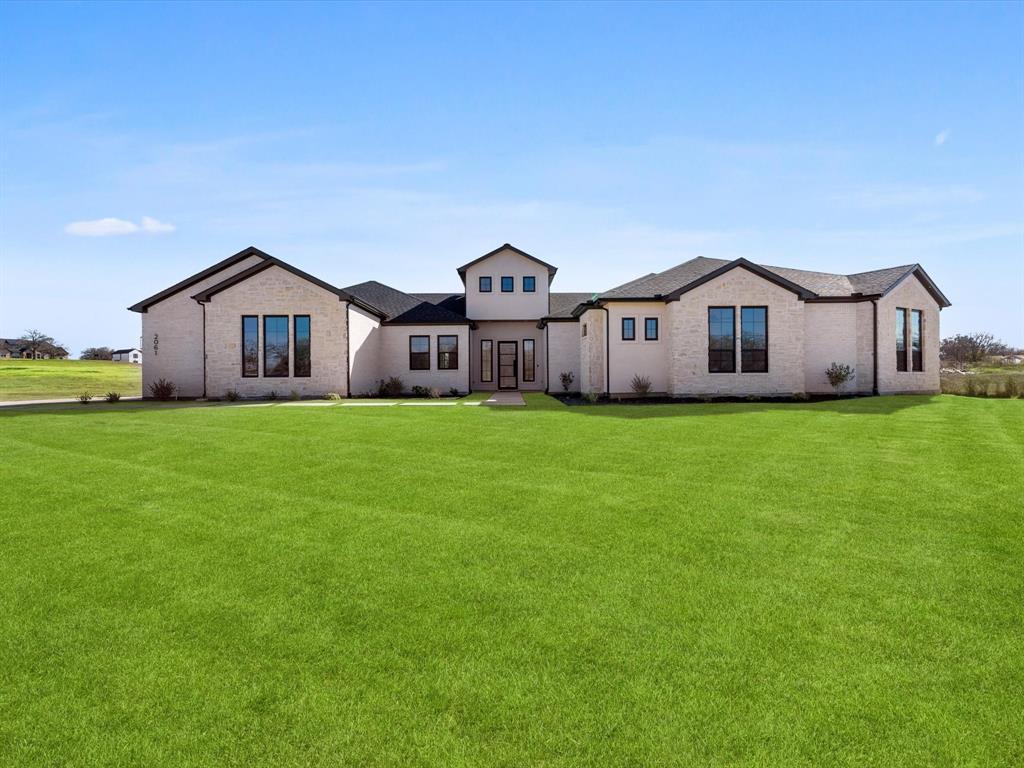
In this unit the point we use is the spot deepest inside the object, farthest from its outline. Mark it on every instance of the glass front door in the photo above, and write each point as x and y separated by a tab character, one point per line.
508	364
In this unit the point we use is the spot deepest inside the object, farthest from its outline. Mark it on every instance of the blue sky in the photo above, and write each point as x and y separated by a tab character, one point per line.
396	142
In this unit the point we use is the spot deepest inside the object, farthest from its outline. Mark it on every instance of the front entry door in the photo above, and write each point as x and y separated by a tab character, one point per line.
508	364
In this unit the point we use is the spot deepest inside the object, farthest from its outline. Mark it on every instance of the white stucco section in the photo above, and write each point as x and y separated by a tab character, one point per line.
910	294
393	357
688	322
563	341
364	350
831	335
510	331
506	306
172	336
638	357
276	291
592	352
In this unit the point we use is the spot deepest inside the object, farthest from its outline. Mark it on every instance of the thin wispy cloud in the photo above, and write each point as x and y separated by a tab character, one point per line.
941	137
115	226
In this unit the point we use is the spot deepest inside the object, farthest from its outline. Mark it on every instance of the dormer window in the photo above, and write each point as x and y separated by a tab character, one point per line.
529	284
485	284
508	284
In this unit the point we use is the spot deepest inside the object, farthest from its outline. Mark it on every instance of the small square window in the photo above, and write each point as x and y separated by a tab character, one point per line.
529	284
629	329
508	284
485	284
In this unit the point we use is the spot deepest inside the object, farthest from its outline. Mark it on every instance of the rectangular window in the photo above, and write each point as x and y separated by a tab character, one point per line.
629	329
529	360
916	356
486	360
447	353
650	329
300	343
419	353
584	329
275	346
754	339
250	346
721	340
529	284
485	284
508	284
901	339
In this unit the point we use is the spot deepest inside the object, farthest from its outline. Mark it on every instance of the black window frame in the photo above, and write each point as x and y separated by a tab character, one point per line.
256	363
744	367
901	355
647	335
530	371
487	375
632	331
917	355
419	355
511	284
453	356
295	346
490	284
533	284
732	357
287	355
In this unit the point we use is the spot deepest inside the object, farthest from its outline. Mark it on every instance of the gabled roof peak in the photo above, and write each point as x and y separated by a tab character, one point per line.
508	247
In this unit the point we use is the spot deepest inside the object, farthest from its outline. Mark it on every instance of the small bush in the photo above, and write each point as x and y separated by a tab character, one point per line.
272	395
418	391
162	389
838	374
232	395
591	397
453	392
294	395
434	393
641	385
113	397
332	396
801	397
567	378
84	398
393	387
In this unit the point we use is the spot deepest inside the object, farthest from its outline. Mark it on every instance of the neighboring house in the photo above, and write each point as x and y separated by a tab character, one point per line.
707	327
1012	359
19	348
132	355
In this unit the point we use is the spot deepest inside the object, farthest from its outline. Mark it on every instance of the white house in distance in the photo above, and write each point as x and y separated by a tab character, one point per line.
131	355
707	327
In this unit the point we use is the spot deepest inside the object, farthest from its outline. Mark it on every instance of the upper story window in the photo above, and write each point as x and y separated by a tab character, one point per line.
447	353
275	345
250	346
303	362
916	342
721	339
754	339
629	329
901	339
485	284
419	353
650	329
529	284
508	284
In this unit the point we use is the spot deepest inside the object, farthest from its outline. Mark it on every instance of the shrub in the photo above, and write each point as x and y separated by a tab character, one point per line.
272	395
393	387
801	397
591	397
84	398
294	395
567	379
162	389
332	396
113	397
232	395
434	393
418	391
641	385
838	374
453	392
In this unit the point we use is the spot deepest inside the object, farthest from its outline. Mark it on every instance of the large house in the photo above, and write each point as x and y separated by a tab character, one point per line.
707	327
28	350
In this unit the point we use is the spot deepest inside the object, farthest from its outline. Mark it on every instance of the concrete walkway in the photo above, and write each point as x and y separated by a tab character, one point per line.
505	398
97	399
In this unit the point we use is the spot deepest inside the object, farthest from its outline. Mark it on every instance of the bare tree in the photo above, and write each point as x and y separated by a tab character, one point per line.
97	353
35	341
967	348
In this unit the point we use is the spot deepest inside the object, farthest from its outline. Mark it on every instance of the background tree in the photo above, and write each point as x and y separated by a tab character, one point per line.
966	348
35	341
97	353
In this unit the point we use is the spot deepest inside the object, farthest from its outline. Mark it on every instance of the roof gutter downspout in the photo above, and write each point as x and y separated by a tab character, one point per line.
204	348
348	349
874	346
607	352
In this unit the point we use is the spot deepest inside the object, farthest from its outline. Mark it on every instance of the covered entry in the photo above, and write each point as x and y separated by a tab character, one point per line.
508	365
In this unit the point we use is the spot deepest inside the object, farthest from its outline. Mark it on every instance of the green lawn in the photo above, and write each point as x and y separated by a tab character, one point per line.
834	583
52	379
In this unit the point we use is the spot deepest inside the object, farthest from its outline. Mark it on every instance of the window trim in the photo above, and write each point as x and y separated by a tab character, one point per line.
511	281
487	377
255	375
480	284
455	353
287	336
530	374
622	329
295	346
411	353
916	358
657	329
901	365
732	309
532	289
765	308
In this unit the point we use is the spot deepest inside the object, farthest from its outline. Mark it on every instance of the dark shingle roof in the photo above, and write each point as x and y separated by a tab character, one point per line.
663	283
561	305
455	302
399	307
123	351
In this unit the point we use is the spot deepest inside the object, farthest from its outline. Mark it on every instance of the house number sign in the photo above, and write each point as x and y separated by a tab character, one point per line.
156	344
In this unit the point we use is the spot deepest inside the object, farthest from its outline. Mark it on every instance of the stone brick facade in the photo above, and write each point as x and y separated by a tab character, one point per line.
910	294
